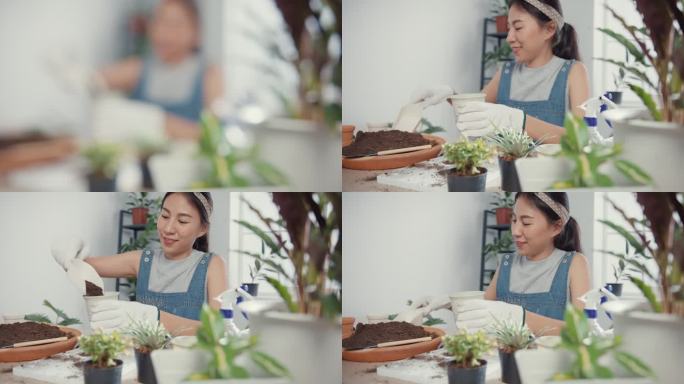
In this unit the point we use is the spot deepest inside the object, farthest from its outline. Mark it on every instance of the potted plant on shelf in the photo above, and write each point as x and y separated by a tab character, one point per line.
139	203
467	367
103	366
500	54
659	128
503	207
512	145
103	160
467	158
504	244
499	11
305	240
147	336
511	336
658	322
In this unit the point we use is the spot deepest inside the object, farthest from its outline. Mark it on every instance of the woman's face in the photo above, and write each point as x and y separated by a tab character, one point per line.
532	232
525	36
179	225
173	32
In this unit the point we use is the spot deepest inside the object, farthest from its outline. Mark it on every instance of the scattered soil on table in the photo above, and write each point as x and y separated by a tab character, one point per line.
28	331
367	335
372	142
92	289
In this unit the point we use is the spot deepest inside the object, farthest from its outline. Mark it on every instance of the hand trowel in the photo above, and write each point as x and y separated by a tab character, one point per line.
79	272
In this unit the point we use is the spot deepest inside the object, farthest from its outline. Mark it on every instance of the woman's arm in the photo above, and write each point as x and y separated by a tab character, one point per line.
122	76
121	265
213	85
490	293
216	284
491	89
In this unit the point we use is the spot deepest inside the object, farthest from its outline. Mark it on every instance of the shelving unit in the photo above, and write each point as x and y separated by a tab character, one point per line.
489	34
489	226
127	231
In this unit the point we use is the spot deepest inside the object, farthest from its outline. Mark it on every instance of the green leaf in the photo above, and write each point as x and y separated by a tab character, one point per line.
647	291
647	99
633	242
641	75
38	318
625	42
284	294
68	322
633	172
638	266
633	364
269	364
265	237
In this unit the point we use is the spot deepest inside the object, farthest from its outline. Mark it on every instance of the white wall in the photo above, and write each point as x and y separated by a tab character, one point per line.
391	47
30	222
399	246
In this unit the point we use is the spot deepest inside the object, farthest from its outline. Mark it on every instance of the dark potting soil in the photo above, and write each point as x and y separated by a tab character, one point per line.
371	142
27	331
92	289
367	335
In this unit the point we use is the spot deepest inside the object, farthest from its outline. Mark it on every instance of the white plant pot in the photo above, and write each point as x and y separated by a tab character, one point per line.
172	172
309	347
655	338
539	365
654	146
173	366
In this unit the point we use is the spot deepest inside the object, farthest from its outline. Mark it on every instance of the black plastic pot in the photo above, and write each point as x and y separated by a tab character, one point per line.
99	184
509	176
94	375
467	183
615	288
509	369
614	96
251	288
467	375
145	368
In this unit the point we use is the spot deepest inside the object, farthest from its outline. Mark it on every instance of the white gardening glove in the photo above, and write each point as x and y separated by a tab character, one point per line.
72	75
112	315
431	95
475	315
116	119
67	249
478	118
421	308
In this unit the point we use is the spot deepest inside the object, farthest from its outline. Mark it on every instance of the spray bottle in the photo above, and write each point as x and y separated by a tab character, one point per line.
226	298
593	108
592	300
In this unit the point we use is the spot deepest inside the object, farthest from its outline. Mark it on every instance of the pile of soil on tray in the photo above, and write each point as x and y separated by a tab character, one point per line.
371	142
367	335
28	331
92	289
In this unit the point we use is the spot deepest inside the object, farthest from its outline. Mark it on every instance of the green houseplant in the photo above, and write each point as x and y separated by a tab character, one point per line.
512	145
499	11
65	321
502	53
147	336
305	244
502	203
467	157
467	367
511	336
103	366
103	160
658	129
504	244
657	323
140	203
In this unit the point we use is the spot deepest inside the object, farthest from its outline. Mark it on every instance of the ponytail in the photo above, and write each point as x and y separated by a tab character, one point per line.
569	238
565	45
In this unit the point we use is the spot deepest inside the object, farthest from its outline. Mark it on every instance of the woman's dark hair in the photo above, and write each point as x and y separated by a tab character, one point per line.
569	237
190	7
565	44
201	243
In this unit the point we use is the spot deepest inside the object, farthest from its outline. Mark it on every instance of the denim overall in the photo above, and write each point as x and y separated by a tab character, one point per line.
552	110
550	304
189	109
184	304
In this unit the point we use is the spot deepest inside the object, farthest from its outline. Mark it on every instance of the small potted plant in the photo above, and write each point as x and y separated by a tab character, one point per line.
139	203
504	244
619	82
511	145
103	366
103	159
499	12
511	336
467	348
147	336
503	207
467	158
500	54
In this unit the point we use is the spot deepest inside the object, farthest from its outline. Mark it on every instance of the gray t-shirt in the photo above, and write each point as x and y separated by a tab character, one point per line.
535	276
172	276
172	83
535	84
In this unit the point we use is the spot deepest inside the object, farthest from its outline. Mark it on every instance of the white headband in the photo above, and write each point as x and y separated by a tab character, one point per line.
204	201
559	209
549	11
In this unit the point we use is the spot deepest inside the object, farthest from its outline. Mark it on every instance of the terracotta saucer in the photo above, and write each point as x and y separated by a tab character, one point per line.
11	355
399	352
370	163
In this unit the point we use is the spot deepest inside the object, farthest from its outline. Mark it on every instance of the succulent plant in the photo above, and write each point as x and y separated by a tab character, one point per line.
103	348
467	348
148	336
512	144
512	335
467	156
